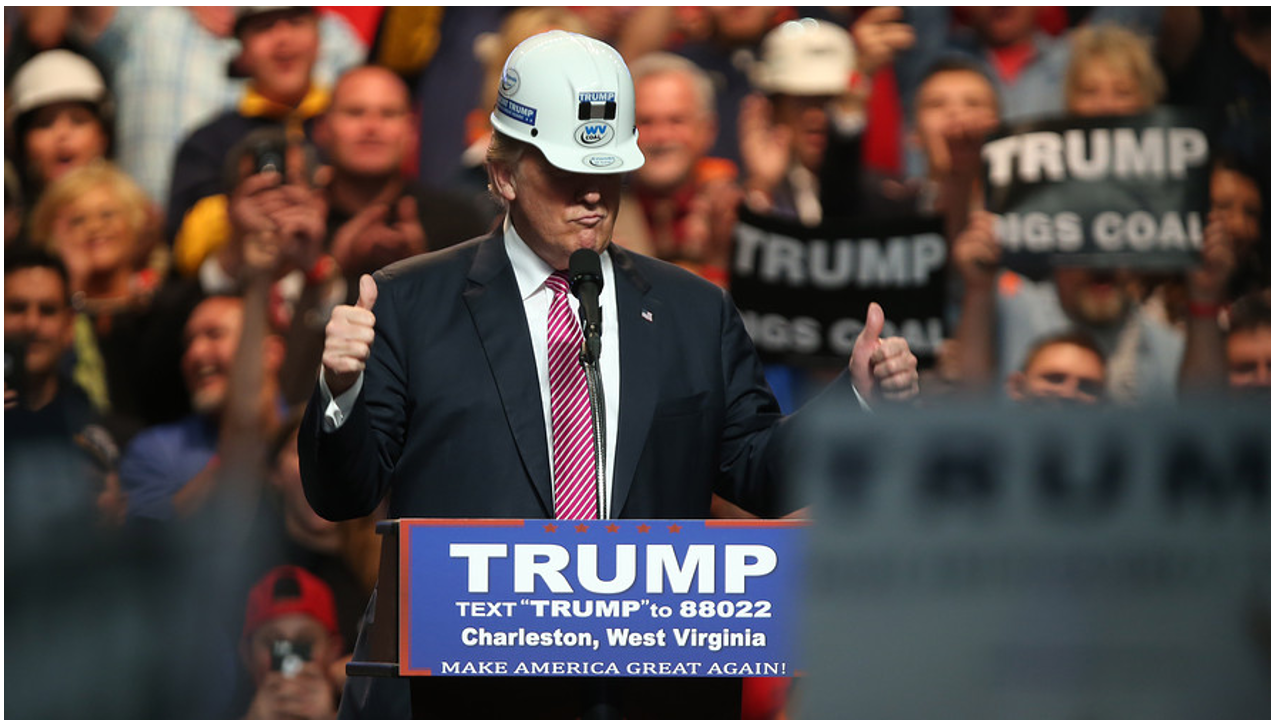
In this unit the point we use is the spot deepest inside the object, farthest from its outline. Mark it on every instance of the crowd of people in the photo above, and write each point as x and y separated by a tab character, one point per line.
191	192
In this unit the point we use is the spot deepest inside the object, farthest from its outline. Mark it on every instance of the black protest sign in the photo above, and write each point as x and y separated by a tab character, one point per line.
804	291
1103	192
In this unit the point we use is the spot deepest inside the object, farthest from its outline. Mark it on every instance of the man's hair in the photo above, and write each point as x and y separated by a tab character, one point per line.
26	257
77	183
394	77
1250	313
1229	160
205	297
1074	337
1120	48
661	63
957	63
505	151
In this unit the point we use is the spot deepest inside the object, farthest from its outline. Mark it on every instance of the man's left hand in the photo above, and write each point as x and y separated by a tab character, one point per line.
882	367
1208	281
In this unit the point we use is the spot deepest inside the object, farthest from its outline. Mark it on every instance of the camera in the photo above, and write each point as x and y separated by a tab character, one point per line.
268	155
288	657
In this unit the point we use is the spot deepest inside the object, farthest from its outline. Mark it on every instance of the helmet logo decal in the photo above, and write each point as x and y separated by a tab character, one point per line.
594	134
517	111
596	105
602	161
510	82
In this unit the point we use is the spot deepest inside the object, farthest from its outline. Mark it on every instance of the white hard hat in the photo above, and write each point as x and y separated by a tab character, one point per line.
805	57
244	13
570	96
55	76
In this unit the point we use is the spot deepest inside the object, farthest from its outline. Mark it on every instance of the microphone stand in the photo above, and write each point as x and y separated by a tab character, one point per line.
599	696
591	346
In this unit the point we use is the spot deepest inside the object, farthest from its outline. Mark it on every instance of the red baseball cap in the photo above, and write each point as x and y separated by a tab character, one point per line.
290	590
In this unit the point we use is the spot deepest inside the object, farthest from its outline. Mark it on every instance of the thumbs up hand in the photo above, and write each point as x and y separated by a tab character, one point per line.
348	339
879	366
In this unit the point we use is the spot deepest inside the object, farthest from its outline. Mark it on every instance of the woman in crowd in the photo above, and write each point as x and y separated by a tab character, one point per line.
128	329
61	117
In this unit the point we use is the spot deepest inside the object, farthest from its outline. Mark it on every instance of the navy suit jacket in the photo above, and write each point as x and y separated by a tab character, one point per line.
450	422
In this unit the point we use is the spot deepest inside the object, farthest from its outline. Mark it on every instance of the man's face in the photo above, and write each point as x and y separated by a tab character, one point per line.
1236	197
1250	359
279	51
808	116
1103	90
94	234
294	628
558	212
212	336
1094	297
36	310
369	129
675	131
1061	372
62	137
1000	26
951	102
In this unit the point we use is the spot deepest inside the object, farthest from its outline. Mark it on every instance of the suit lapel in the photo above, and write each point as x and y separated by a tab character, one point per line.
497	310
638	315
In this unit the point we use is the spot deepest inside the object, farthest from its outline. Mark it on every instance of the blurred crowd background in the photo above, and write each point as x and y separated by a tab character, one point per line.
189	191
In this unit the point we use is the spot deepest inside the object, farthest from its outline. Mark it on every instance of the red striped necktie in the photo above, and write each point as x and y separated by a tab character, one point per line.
575	496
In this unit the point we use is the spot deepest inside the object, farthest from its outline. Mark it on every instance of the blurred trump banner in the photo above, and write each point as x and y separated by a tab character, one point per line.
803	291
1038	564
1127	191
616	598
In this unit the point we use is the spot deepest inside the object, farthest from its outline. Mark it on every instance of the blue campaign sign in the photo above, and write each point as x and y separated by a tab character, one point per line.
624	598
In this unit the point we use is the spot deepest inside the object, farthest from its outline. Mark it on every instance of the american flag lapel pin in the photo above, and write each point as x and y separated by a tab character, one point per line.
646	315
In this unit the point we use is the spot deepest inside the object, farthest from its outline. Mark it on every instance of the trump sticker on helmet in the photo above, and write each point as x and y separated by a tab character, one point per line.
517	111
594	133
510	82
602	161
596	105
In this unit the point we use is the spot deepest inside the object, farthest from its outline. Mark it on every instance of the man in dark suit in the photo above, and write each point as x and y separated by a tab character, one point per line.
443	398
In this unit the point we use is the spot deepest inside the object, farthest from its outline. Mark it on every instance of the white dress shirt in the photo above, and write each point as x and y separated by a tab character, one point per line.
530	272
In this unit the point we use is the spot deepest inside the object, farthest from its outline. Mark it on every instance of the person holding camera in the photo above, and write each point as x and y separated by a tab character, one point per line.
279	50
290	645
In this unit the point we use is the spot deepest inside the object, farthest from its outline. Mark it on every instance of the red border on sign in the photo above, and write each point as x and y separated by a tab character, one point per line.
405	613
756	524
461	522
405	580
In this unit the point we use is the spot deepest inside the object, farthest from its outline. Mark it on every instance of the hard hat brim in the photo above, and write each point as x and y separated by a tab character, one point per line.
612	160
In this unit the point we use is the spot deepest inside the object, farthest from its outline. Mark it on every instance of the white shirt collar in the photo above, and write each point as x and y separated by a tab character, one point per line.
530	271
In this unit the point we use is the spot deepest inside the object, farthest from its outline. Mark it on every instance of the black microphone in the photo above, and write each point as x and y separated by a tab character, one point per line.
585	274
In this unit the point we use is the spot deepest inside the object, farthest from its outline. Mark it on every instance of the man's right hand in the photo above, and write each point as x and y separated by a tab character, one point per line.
977	253
880	36
348	339
764	144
